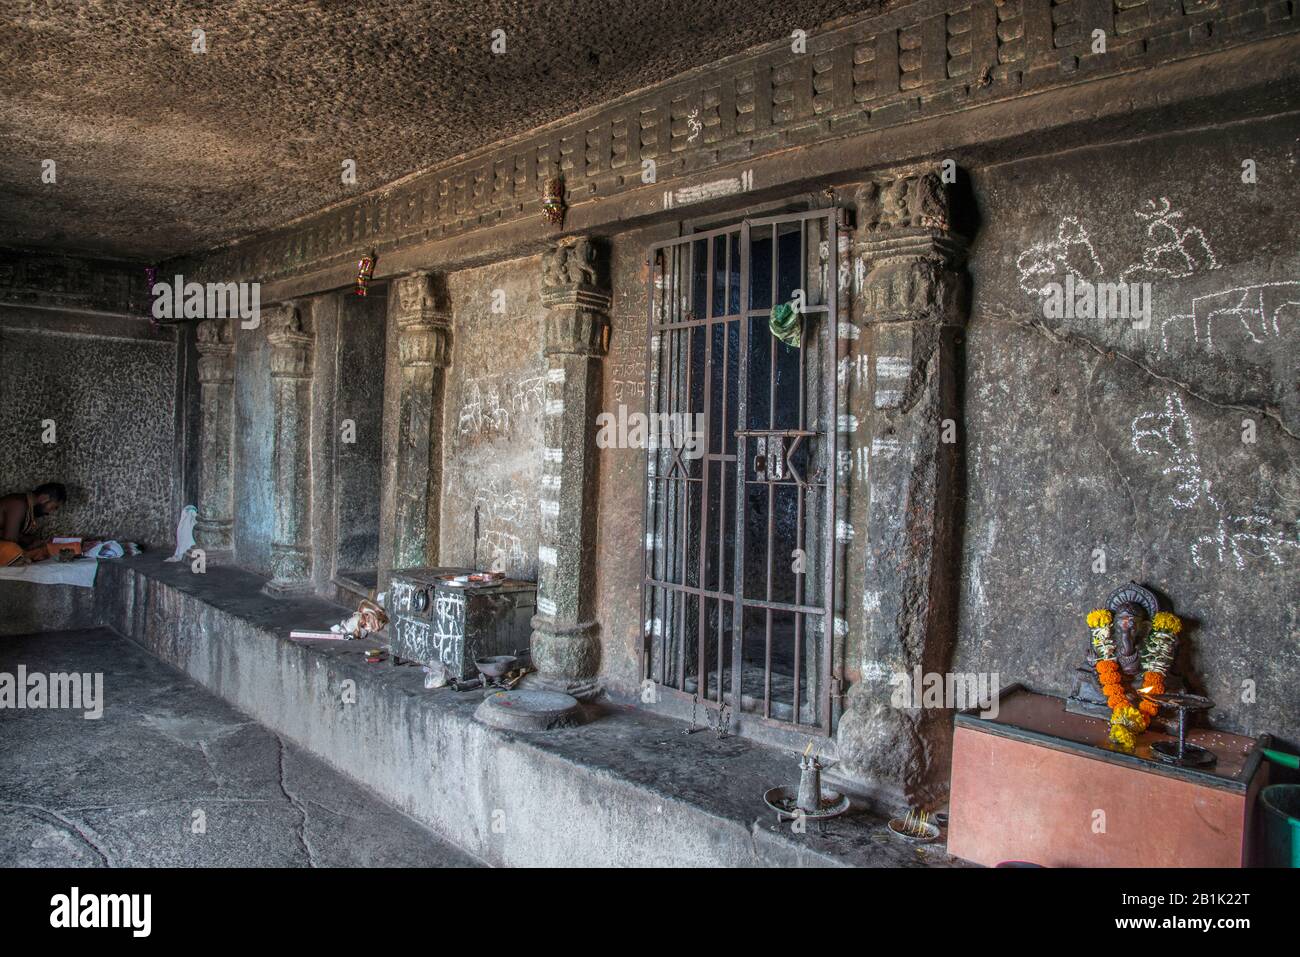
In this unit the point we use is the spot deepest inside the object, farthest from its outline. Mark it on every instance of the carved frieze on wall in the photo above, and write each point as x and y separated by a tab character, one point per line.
27	278
919	60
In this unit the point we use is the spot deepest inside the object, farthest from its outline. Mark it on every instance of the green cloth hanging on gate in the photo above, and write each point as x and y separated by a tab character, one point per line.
786	324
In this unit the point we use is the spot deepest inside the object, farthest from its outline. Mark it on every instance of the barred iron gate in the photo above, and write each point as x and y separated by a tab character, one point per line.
739	588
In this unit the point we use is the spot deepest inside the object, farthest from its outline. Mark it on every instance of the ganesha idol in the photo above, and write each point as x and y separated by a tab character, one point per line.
1131	655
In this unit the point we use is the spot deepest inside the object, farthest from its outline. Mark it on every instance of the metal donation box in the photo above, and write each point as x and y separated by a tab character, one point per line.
436	619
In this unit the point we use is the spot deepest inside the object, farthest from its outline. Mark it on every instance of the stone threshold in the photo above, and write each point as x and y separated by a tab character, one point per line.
628	789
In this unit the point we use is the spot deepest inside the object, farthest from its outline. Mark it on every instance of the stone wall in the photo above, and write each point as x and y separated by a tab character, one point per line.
109	385
1080	434
1090	434
492	426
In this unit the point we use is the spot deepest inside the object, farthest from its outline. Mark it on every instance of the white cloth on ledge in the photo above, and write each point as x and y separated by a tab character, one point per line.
184	533
79	571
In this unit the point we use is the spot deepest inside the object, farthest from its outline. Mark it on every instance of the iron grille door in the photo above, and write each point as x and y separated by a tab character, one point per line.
738	594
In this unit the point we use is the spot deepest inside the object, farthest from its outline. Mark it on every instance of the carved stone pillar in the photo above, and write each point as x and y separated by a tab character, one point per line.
566	639
291	374
914	306
214	531
424	352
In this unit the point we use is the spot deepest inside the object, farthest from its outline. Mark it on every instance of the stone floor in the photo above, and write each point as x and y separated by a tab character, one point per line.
130	788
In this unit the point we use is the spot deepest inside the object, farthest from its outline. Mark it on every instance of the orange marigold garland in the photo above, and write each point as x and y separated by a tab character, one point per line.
1112	682
1126	721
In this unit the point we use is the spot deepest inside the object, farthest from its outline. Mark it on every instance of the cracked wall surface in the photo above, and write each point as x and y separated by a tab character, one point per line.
1091	434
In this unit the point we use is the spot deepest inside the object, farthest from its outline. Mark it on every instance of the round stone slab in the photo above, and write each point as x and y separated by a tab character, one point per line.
527	710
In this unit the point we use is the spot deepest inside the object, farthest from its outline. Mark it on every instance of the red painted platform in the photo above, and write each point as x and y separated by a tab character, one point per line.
1039	784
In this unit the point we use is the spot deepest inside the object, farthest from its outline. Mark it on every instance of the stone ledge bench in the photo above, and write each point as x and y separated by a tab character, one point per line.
627	789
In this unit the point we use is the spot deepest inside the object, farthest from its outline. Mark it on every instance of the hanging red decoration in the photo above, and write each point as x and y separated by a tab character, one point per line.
365	270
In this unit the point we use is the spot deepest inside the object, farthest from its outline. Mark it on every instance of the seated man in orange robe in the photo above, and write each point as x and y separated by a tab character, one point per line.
19	512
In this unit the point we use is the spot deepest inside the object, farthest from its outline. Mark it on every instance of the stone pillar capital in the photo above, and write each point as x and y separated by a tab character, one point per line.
904	198
423	321
291	343
215	341
577	299
419	297
913	261
215	337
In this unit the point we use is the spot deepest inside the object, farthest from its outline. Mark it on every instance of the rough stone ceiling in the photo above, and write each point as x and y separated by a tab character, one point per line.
162	151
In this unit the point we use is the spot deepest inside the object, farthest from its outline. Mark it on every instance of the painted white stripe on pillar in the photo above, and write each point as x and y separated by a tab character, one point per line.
893	367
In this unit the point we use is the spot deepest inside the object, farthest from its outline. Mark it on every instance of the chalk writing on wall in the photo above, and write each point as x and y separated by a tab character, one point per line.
1167	436
626	369
400	594
1255	314
493	405
1071	252
1171	251
413	637
503	510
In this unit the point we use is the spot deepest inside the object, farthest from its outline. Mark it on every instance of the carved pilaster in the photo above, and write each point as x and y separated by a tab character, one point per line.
424	352
292	348
565	641
214	531
914	304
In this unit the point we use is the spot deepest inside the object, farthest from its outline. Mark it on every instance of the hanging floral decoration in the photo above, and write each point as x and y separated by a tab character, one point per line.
1156	656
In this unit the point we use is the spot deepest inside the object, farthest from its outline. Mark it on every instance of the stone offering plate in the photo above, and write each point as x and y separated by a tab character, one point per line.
784	801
